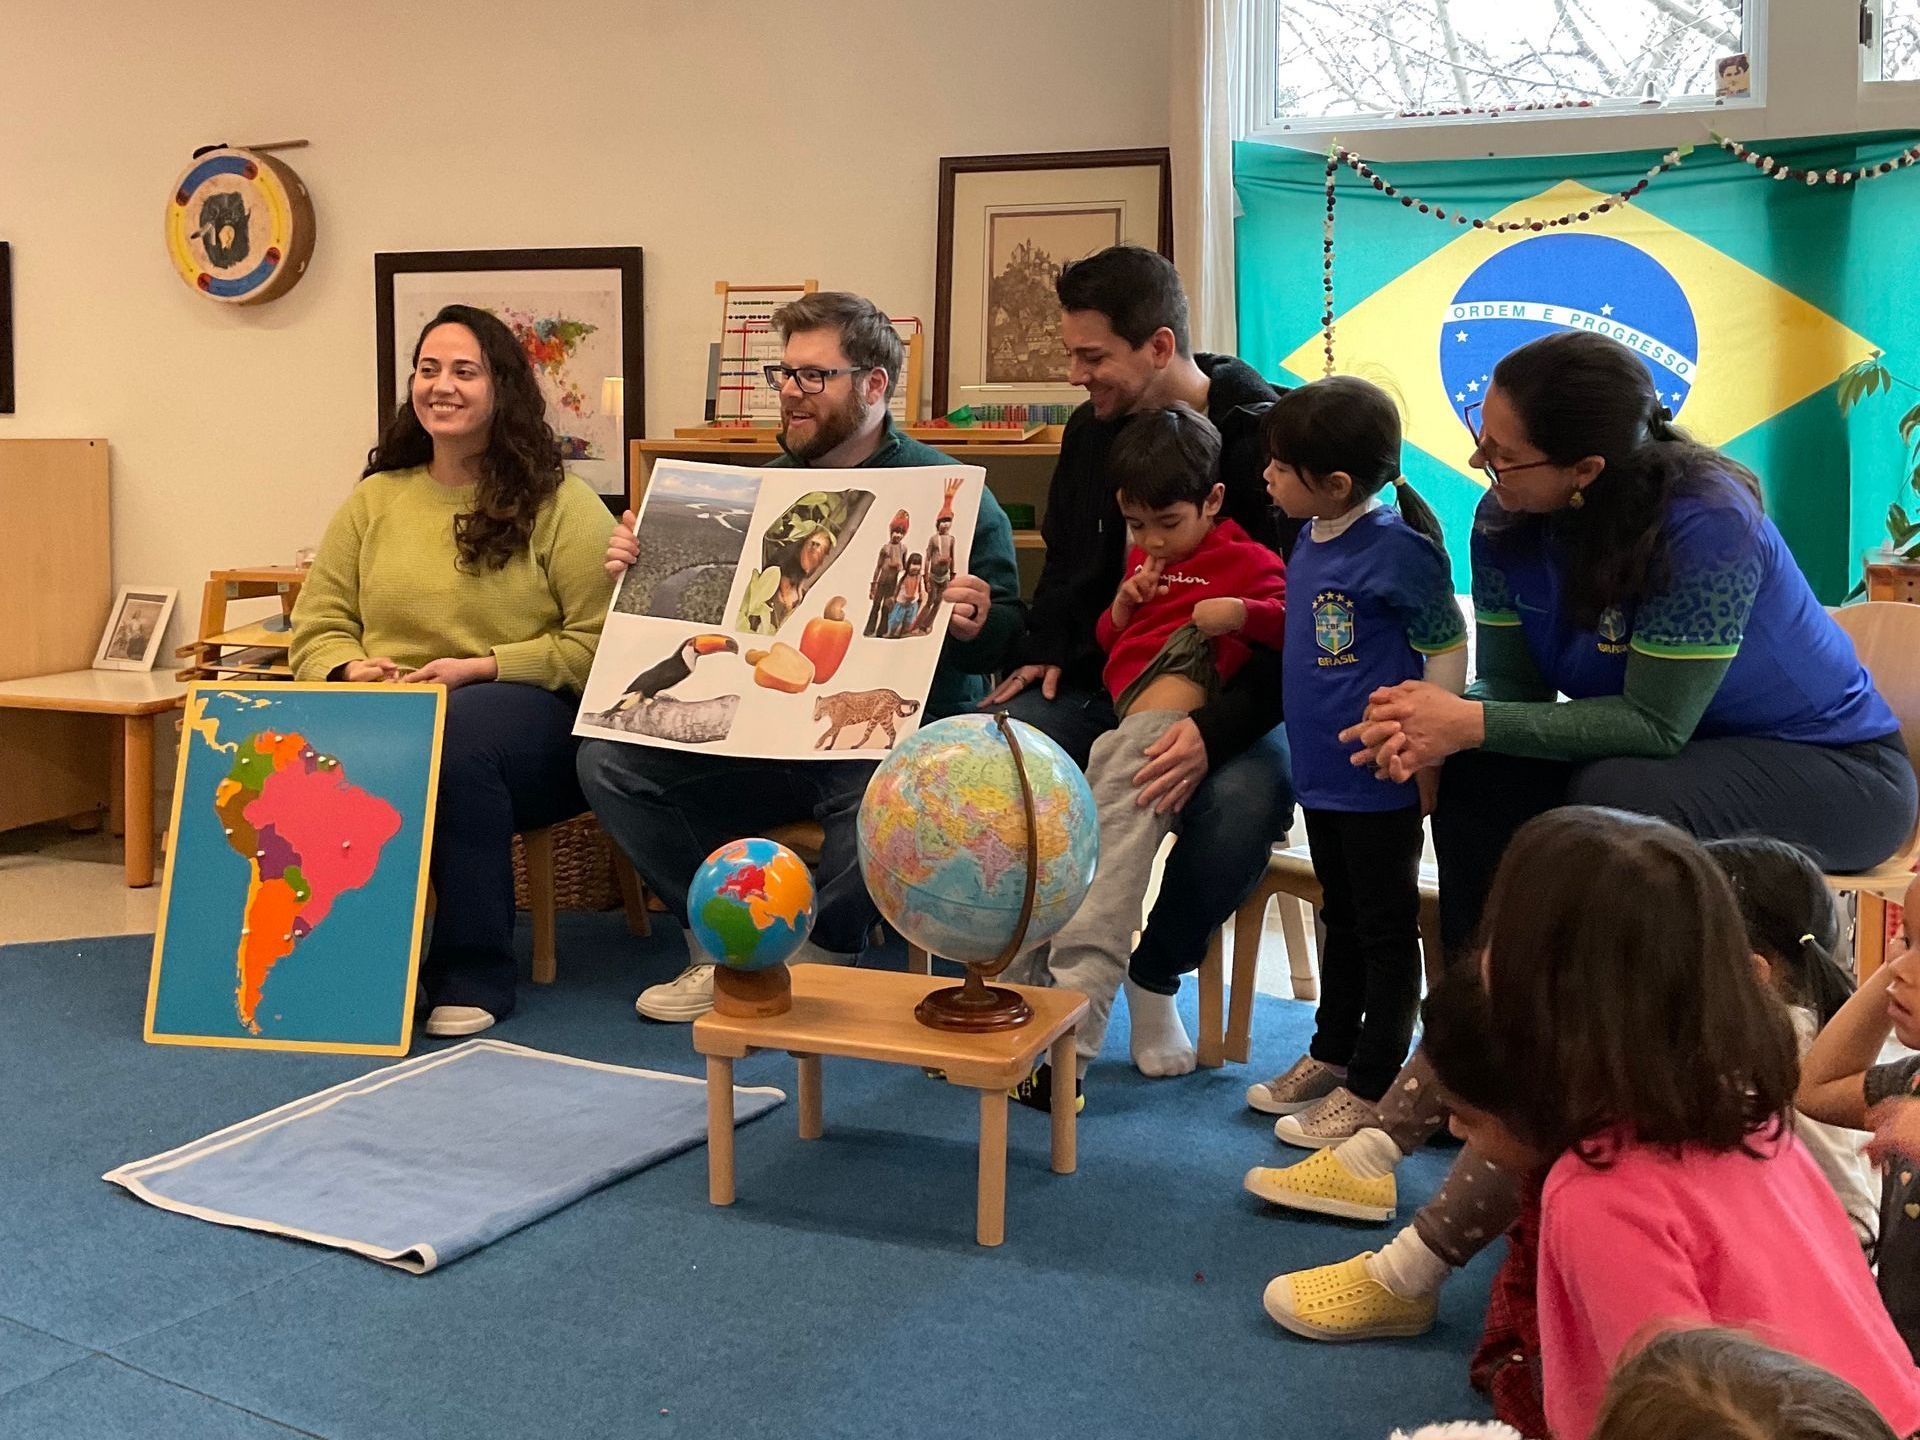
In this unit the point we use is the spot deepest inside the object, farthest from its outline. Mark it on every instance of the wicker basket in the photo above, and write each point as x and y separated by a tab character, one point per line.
583	876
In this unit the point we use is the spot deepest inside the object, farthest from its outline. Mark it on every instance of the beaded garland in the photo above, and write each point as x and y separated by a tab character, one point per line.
1772	168
1669	161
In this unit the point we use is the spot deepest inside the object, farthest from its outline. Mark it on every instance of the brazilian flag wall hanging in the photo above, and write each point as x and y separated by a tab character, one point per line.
1747	298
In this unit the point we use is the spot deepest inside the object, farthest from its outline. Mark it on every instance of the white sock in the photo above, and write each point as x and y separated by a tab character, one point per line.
811	954
1369	1153
1159	1043
1408	1268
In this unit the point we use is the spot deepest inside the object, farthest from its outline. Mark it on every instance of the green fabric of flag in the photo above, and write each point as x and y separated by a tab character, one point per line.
1747	297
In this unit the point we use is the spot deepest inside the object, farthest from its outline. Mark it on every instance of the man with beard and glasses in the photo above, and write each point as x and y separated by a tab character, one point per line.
669	809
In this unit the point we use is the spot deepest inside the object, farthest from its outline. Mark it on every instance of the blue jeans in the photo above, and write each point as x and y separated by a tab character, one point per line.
1227	831
670	809
506	764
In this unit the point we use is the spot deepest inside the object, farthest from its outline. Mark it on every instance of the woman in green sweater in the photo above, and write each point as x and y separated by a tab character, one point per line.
468	558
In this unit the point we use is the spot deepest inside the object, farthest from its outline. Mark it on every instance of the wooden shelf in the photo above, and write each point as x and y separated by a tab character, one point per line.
1028	540
207	655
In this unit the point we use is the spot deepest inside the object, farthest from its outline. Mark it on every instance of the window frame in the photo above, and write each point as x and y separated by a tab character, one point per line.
1873	57
1261	83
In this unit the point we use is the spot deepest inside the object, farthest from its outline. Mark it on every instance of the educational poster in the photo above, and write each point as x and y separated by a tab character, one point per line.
782	614
297	867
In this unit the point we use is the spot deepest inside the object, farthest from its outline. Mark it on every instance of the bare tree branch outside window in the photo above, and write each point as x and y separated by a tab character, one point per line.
1388	57
1900	47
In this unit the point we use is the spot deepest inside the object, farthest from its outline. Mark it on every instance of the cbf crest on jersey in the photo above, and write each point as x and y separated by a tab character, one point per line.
1333	627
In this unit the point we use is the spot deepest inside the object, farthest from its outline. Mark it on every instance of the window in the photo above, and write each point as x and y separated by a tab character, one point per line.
1890	35
1393	59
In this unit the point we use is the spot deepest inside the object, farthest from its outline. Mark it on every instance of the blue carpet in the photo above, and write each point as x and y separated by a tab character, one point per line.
841	1295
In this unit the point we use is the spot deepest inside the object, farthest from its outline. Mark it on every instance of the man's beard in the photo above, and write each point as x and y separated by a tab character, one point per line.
831	428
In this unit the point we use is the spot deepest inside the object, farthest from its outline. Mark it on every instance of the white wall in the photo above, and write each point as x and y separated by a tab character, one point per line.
732	140
1810	54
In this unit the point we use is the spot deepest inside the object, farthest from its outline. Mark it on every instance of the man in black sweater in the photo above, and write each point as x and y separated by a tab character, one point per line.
1224	768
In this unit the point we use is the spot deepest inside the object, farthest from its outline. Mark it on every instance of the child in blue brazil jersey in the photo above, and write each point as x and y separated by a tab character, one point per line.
1372	605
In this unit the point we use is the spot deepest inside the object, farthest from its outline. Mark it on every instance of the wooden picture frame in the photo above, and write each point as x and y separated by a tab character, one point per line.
586	301
135	627
1073	201
6	328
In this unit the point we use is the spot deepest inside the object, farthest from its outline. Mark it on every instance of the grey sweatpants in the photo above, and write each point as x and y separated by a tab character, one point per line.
1090	954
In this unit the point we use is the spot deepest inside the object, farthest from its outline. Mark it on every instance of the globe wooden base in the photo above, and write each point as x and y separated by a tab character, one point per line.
752	994
973	1007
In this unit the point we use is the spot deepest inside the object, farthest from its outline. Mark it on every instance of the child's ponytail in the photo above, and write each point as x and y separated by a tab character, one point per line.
1418	514
1790	918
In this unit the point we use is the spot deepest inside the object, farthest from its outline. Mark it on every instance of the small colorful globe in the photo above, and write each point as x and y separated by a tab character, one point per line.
751	904
943	838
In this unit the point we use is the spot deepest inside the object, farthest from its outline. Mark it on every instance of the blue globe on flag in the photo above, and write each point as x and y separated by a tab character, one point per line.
751	904
943	838
1551	283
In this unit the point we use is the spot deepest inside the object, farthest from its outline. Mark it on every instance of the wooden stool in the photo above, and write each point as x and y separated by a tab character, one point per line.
868	1015
543	902
1289	879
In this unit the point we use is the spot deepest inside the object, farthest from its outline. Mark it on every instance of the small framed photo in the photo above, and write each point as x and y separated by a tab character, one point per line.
1007	225
135	628
576	311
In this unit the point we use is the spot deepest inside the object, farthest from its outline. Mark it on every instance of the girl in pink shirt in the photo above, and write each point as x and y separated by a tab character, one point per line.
1619	1035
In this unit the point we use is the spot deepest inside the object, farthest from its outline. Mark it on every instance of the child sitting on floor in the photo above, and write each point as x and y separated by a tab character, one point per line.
1841	1085
1373	606
1636	1056
1198	592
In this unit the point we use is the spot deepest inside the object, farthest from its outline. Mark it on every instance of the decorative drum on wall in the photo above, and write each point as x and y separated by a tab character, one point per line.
239	226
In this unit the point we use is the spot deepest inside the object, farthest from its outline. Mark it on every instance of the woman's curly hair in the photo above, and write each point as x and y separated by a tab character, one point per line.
520	468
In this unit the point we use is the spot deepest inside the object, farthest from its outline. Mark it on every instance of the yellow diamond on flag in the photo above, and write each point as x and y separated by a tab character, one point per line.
1728	348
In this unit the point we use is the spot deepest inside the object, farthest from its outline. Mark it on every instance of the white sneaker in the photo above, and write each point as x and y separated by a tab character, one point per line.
687	996
446	1020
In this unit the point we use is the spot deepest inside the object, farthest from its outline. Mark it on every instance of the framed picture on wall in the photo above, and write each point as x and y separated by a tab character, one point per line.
135	626
576	311
6	328
1007	225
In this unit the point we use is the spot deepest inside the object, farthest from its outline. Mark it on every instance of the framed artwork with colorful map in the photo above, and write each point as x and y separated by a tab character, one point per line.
296	882
576	311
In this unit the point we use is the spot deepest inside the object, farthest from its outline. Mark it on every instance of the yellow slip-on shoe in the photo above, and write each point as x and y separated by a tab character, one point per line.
1323	1184
1344	1302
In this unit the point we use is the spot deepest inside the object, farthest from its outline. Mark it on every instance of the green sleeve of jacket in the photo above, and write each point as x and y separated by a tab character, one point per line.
1504	668
1653	716
992	559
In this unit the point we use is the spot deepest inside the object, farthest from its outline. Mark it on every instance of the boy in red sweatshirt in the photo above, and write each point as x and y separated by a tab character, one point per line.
1198	594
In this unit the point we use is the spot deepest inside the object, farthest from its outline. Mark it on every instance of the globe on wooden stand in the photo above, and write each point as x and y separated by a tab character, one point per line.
978	840
974	1005
751	906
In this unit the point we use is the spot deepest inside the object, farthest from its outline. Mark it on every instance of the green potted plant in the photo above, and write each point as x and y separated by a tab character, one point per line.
1870	377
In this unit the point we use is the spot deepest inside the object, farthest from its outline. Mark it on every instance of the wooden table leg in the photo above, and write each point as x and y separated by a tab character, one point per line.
810	1126
990	1227
117	782
1064	1063
719	1130
139	800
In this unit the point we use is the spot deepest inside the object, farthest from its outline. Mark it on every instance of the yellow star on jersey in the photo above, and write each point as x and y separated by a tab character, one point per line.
1754	350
